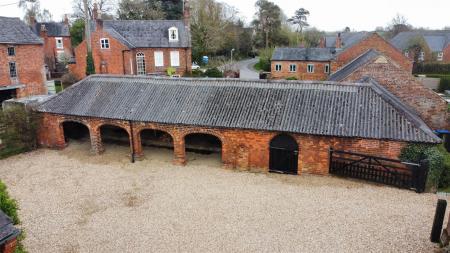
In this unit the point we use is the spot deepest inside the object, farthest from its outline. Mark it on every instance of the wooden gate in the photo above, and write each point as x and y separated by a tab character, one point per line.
283	157
378	169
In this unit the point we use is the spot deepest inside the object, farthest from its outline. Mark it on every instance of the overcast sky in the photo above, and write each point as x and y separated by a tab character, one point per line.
329	15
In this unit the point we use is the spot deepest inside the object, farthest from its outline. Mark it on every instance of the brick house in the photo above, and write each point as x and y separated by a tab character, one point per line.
302	63
22	71
137	47
8	234
431	107
244	121
341	51
57	43
424	46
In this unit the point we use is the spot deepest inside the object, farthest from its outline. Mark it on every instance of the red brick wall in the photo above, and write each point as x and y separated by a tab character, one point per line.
301	73
243	149
30	69
374	41
447	54
118	56
50	50
429	105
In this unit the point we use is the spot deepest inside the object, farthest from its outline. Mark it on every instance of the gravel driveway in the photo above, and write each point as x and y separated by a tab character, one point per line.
73	202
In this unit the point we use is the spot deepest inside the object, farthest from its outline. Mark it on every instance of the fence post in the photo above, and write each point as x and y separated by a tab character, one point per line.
438	221
421	176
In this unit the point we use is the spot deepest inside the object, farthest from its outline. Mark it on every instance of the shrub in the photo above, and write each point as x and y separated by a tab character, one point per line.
444	84
431	68
68	79
213	72
8	205
265	55
292	78
417	152
171	71
90	68
18	130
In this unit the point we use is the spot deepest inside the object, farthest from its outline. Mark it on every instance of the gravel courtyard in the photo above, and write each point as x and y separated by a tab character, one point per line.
73	202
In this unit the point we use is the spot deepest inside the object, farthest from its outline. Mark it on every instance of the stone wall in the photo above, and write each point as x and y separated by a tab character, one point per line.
241	149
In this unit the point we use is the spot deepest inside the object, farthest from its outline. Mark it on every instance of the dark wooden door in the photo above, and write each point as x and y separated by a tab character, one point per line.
283	155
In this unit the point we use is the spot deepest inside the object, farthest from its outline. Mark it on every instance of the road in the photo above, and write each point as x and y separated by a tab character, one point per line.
246	69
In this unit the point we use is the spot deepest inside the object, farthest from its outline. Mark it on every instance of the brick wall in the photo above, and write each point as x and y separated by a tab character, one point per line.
242	149
429	105
119	59
50	50
374	41
447	54
29	61
301	73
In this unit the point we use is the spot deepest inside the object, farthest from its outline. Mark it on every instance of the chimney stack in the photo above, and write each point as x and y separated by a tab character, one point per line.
323	42
97	15
186	14
338	41
43	31
32	21
66	19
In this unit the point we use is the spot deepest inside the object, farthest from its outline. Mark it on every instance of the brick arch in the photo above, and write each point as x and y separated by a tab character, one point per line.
123	126
204	131
81	121
299	148
162	129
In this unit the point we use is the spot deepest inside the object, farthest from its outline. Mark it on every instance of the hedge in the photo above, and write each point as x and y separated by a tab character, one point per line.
444	84
431	68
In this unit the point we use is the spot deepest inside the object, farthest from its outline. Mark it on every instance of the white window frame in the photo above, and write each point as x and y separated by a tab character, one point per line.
173	31
421	56
292	67
326	69
104	43
59	43
440	56
12	74
159	58
140	64
406	53
310	68
175	58
278	67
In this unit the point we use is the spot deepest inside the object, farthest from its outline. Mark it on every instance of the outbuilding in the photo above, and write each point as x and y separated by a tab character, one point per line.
286	126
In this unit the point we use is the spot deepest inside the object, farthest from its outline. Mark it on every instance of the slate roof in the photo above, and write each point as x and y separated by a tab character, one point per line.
348	39
7	229
319	108
147	33
303	54
54	29
14	31
354	65
437	40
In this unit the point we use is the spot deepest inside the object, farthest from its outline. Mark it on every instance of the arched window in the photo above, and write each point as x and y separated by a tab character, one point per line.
140	63
173	34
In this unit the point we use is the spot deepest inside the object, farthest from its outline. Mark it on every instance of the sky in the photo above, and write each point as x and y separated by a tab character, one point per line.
328	15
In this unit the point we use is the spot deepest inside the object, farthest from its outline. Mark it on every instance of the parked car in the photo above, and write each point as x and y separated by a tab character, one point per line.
195	66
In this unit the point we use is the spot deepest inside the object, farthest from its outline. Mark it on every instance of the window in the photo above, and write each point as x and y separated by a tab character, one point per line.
293	68
278	67
12	70
173	34
421	56
104	43
175	58
407	53
440	56
159	59
59	43
11	51
140	63
310	68
327	68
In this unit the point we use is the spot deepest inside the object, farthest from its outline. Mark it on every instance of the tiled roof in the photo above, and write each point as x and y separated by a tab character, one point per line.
319	108
303	54
147	33
437	40
7	229
14	31
354	65
348	39
54	29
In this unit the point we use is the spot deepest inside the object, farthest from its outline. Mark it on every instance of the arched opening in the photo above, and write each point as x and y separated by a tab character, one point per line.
140	64
283	157
157	144
76	134
114	138
204	147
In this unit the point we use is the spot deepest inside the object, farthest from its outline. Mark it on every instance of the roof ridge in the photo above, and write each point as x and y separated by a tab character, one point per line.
353	61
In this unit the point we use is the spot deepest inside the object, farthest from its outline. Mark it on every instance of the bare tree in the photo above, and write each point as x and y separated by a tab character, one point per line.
104	6
32	8
398	24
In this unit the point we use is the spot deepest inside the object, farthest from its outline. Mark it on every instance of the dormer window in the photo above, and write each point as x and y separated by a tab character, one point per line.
173	34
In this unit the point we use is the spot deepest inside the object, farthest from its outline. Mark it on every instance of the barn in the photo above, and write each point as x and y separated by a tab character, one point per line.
283	126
